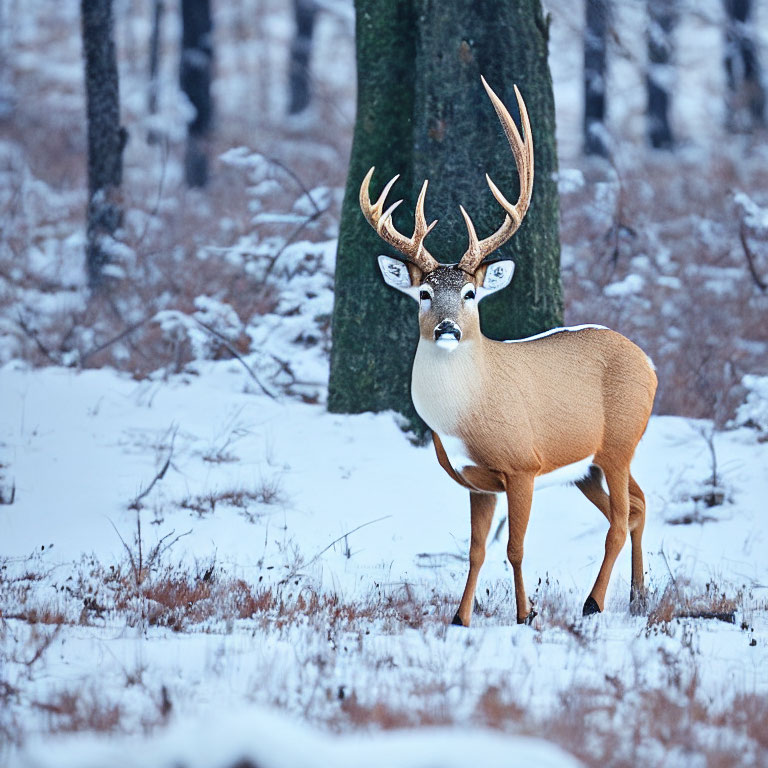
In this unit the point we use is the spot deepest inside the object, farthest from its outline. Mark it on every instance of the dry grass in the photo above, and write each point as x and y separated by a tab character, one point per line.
268	493
207	597
70	711
681	600
624	720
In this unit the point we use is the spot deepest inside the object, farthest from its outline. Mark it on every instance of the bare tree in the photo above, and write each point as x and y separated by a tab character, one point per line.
301	49
106	139
745	94
659	75
154	56
595	37
195	75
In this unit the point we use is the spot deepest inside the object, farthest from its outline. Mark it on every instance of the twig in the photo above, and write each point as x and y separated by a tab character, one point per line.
344	535
136	503
44	646
291	239
292	174
131	560
750	256
33	335
729	617
129	330
671	575
161	547
225	342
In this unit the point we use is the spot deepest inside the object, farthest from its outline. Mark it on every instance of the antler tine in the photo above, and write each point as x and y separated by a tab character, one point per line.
473	246
411	247
522	150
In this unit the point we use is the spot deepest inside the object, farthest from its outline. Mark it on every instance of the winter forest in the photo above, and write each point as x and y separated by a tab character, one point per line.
227	539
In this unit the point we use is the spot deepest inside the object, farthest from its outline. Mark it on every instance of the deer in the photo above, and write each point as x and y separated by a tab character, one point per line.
569	404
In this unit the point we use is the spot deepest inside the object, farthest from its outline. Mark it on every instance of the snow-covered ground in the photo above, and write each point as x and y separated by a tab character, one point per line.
341	508
200	566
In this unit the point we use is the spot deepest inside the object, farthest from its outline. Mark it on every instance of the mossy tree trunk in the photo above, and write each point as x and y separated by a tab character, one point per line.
458	139
374	327
423	113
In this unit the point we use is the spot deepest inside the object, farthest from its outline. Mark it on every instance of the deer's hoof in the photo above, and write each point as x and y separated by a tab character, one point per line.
529	618
590	607
457	622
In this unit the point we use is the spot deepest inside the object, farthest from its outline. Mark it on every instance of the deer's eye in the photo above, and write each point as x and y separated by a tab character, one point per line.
470	294
424	296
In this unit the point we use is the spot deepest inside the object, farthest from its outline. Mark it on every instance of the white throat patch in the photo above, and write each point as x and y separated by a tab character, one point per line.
448	343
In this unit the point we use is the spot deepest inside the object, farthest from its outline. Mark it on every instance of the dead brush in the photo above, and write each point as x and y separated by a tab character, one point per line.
699	314
557	610
181	600
680	599
268	492
385	717
75	710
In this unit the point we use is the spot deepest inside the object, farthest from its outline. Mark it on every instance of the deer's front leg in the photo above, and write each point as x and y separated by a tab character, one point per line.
519	498
481	506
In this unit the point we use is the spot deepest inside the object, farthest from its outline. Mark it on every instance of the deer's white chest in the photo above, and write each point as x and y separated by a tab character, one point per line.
443	384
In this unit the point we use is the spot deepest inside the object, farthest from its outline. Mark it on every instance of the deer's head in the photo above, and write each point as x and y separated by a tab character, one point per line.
448	294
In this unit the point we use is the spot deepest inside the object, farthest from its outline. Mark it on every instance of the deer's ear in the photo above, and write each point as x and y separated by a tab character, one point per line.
497	275
397	274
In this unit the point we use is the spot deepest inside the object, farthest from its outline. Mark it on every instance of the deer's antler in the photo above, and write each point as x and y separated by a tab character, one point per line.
411	247
523	152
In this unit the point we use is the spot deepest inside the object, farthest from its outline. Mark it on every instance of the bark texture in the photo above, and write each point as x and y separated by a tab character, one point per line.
106	139
423	113
304	12
458	139
595	39
374	327
195	73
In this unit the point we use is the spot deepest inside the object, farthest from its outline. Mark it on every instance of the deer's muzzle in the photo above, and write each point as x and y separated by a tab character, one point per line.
447	334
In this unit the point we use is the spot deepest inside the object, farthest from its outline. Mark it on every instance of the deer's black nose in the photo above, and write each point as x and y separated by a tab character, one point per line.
447	329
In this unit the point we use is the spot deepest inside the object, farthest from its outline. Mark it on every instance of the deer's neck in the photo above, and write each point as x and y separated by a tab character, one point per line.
444	384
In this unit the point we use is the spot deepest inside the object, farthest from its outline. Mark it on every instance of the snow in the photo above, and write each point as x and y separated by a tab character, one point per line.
631	284
80	447
355	540
269	740
551	331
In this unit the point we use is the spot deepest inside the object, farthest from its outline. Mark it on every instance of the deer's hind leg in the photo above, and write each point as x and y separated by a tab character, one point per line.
637	597
617	478
481	509
591	486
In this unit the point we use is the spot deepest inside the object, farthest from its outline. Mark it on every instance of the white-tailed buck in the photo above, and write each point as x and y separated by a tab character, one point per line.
504	414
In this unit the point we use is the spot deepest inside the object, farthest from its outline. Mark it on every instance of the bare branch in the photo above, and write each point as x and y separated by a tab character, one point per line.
232	351
750	256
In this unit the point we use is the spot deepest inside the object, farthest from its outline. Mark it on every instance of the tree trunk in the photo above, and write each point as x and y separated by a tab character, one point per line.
154	56
106	139
195	74
301	49
374	328
594	77
457	139
745	95
659	76
423	113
